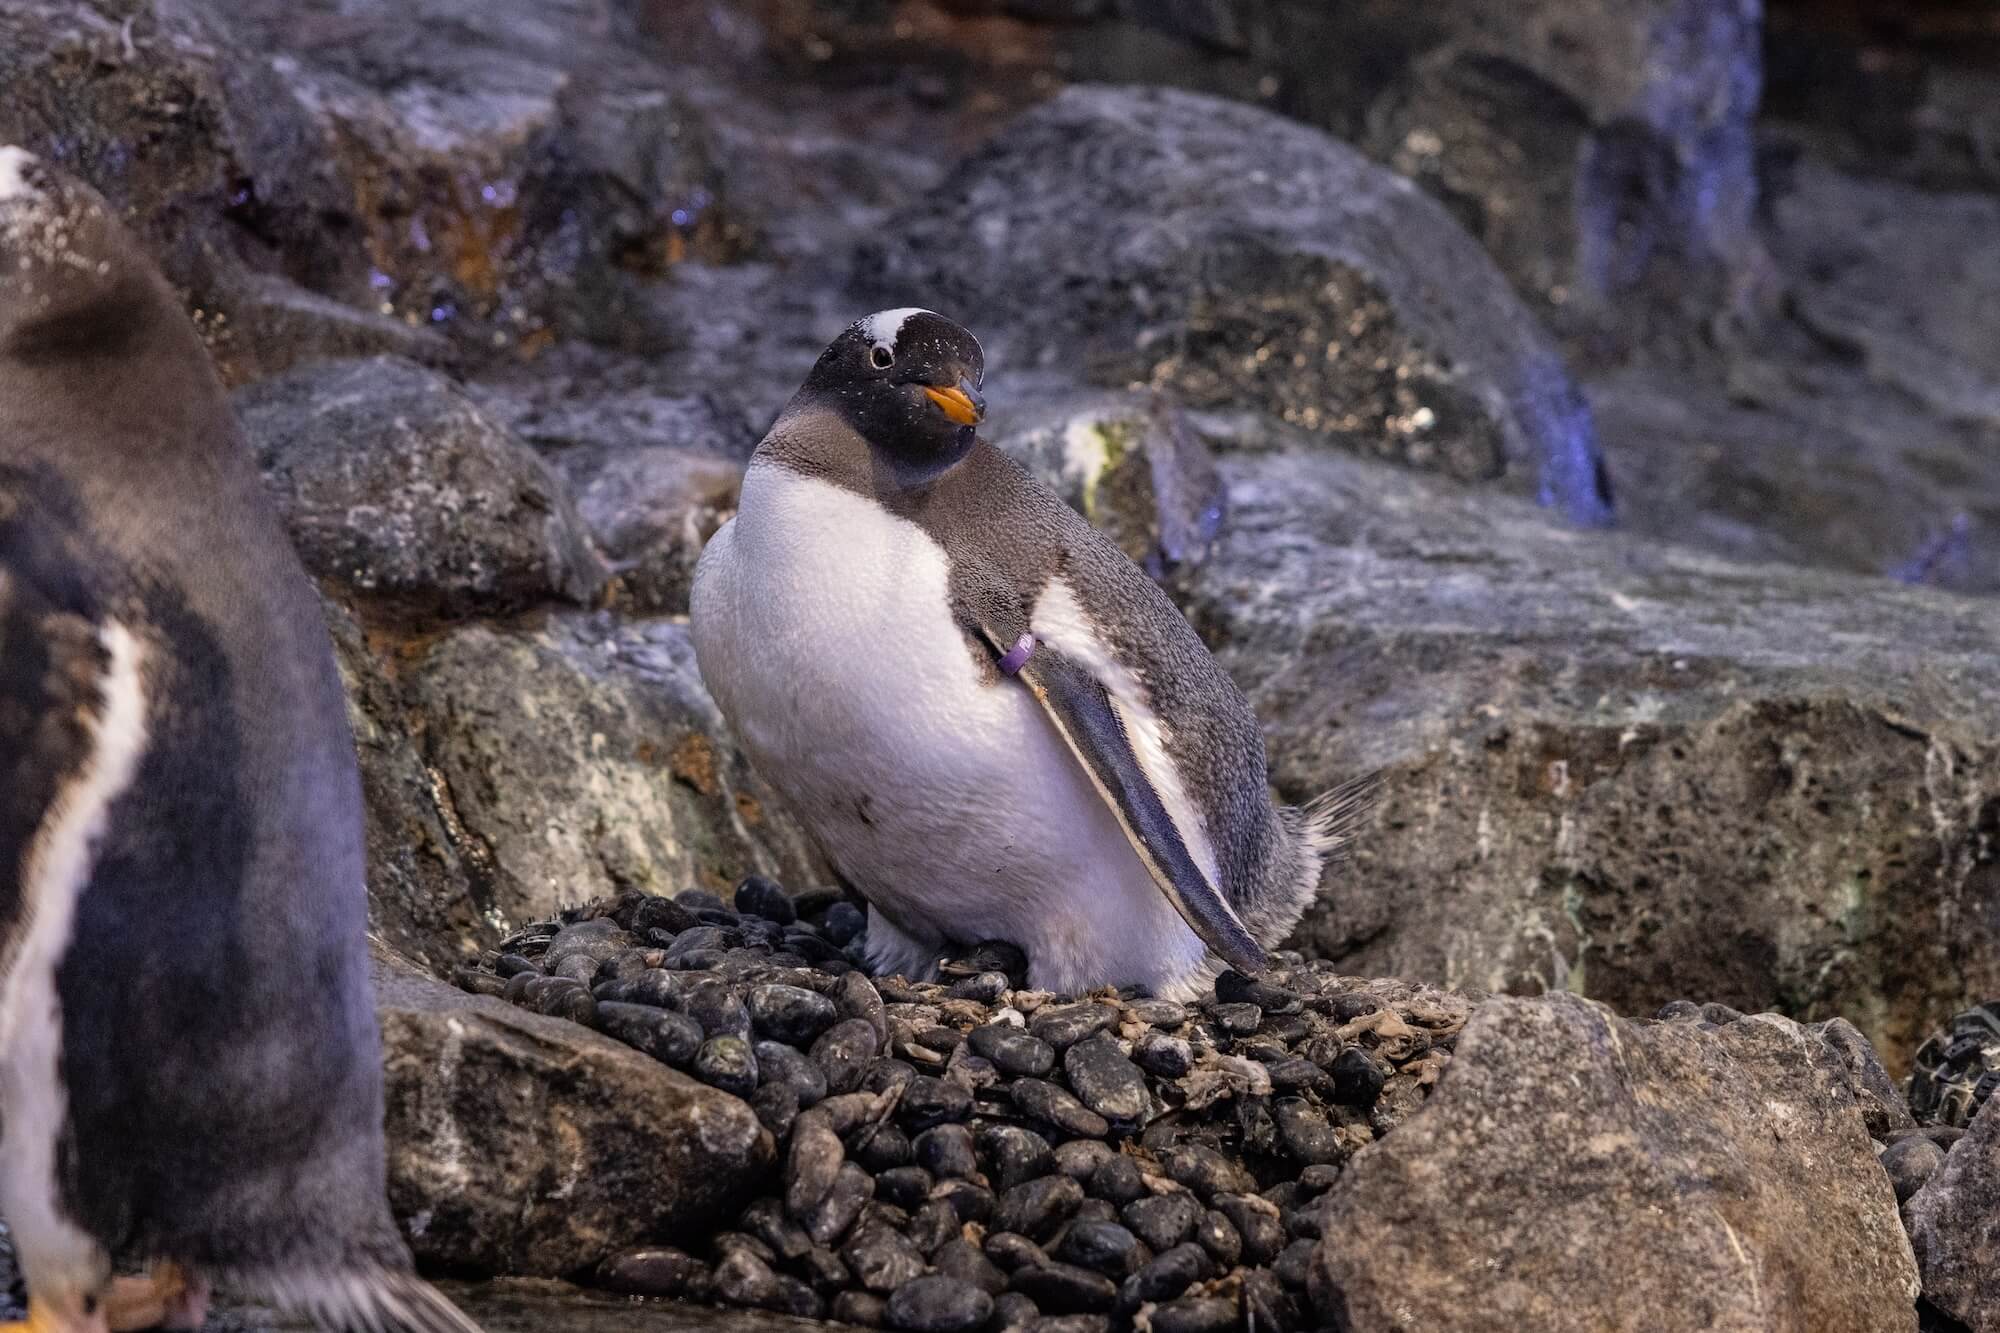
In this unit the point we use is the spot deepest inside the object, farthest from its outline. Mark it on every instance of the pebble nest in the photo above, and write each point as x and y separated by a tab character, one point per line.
972	1155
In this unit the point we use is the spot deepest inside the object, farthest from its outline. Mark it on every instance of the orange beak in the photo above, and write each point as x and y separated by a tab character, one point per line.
958	404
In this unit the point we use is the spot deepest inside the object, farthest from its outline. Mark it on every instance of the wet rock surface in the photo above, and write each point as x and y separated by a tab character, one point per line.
521	1144
1594	744
1668	1152
1232	257
1954	1221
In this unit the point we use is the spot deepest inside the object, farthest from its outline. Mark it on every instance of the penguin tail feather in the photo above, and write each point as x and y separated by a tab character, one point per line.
1333	819
361	1300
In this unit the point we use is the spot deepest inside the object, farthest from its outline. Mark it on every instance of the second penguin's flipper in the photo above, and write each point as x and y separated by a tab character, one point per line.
1088	719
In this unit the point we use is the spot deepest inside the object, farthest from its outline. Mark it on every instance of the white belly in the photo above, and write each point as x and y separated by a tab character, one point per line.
822	628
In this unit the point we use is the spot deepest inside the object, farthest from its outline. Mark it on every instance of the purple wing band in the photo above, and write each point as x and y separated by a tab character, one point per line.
1017	656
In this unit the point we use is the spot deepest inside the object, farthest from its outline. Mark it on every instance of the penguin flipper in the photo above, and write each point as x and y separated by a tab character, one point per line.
1087	719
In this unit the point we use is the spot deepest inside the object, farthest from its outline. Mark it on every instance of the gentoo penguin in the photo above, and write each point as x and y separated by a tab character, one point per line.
995	726
190	1072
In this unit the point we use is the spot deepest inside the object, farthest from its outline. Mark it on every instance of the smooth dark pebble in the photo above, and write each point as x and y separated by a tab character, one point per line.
1015	1154
843	922
758	896
513	965
940	1039
1080	1159
1011	1250
1258	1226
824	1270
1098	1210
939	1304
1216	1234
812	1162
1037	1207
881	1259
662	914
666	1036
717	1008
947	1150
1051	1105
658	1270
1012	1050
904	1186
1238	1019
861	1307
655	986
1294	1263
1207	1172
1102	1247
1060	1288
1358	1077
1105	1081
1297	1074
777	1108
982	988
885	1072
1118	1181
829	1220
934	1224
1070	1323
972	1202
790	1014
1350	1005
1195	1314
572	1002
929	1101
779	1063
741	1278
625	964
1012	1310
1910	1163
843	1052
765	1219
1163	1221
1158	1013
1169	1274
884	1150
1232	987
1061	1025
726	1063
1305	1131
1157	1053
960	1258
1318	1179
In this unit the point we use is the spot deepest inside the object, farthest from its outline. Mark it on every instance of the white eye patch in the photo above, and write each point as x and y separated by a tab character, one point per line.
14	163
882	327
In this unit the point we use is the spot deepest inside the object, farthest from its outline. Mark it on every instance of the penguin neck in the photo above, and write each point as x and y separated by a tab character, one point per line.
814	438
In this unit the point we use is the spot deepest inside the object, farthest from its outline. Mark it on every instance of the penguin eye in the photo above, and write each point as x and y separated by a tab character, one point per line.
881	357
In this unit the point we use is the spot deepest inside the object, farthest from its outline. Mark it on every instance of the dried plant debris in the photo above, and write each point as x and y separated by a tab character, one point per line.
970	1154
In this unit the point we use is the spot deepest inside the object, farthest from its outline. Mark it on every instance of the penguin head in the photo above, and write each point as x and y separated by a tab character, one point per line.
908	382
70	275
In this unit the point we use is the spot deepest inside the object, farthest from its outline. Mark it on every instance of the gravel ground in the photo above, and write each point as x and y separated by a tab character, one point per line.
969	1154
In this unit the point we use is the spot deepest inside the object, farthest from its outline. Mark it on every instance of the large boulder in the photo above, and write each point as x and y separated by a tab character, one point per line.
398	488
1236	258
496	173
1615	766
528	1145
1955	1226
584	758
1577	1171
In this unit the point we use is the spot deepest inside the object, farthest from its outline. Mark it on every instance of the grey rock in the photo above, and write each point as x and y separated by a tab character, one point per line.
939	1304
1911	1162
1107	1082
1955	1226
523	1145
1235	258
1129	462
1603	696
581	756
1691	1162
396	487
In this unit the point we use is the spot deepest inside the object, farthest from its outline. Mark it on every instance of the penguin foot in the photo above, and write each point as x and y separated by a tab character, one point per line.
46	1316
168	1297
